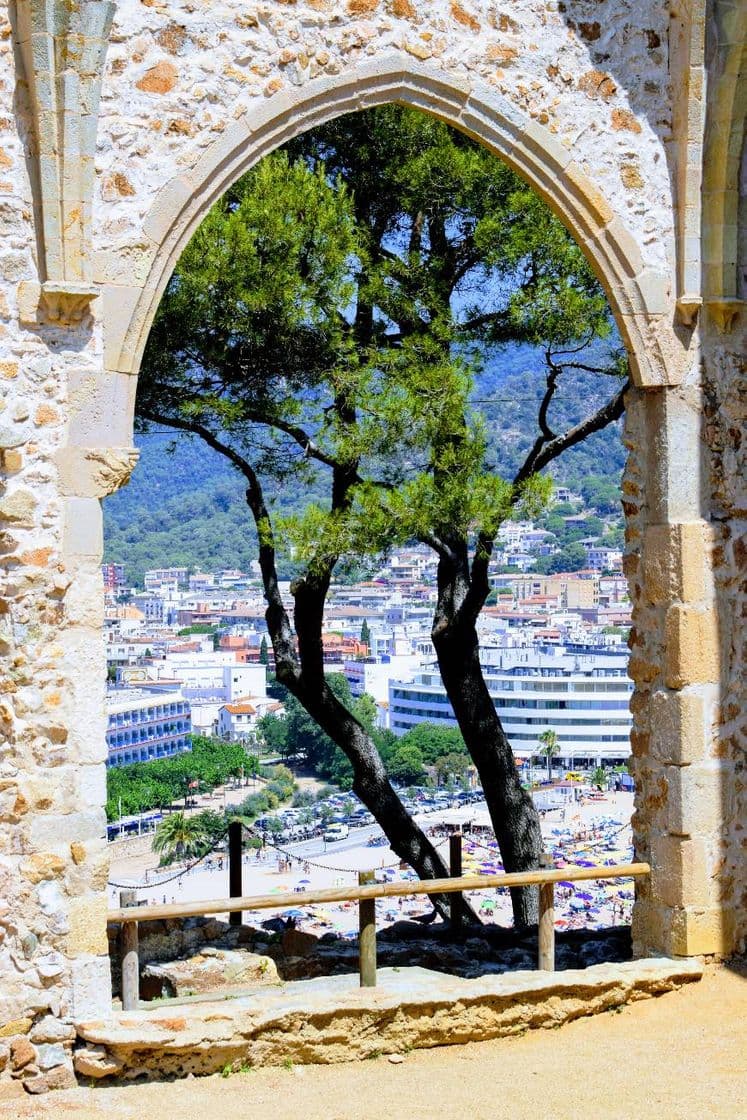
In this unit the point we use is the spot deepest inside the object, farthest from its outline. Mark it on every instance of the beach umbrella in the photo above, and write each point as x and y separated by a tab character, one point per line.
294	913
303	882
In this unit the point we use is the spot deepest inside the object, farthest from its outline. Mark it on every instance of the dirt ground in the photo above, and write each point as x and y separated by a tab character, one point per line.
682	1056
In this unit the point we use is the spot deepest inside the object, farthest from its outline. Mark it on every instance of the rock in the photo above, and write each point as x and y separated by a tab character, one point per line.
296	943
396	1059
29	944
22	1053
94	1061
213	969
50	1054
61	1077
50	1029
15	1026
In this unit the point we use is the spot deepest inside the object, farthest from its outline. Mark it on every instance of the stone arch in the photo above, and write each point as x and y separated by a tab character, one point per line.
640	298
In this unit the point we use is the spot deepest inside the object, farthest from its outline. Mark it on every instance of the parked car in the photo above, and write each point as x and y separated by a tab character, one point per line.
335	832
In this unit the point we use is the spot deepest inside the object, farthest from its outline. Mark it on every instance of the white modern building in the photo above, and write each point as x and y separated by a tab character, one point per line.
143	726
580	693
374	677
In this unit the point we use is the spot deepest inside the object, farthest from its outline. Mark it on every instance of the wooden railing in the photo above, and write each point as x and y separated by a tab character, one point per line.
365	894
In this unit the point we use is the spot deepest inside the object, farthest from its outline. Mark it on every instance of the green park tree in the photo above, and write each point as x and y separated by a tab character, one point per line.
549	748
366	635
339	300
264	657
406	765
180	837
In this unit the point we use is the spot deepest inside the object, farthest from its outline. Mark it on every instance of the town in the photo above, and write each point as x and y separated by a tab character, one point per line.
189	651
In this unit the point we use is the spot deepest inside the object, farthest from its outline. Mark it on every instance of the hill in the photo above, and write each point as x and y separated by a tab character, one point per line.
185	504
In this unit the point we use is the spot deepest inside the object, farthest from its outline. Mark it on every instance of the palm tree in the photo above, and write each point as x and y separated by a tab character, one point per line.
550	747
599	778
179	837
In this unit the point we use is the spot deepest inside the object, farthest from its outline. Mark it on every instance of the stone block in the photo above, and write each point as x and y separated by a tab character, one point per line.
697	933
60	1077
119	305
58	831
679	872
28	298
87	919
92	989
83	534
168	204
698	799
692	653
101	409
678	727
50	1054
675	563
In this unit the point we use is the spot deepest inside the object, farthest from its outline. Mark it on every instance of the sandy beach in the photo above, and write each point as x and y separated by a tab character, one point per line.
591	832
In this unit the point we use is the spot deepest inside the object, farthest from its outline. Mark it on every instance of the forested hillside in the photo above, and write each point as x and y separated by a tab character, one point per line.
185	505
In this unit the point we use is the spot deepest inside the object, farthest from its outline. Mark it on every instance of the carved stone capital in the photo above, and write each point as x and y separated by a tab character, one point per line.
66	303
94	472
724	312
688	307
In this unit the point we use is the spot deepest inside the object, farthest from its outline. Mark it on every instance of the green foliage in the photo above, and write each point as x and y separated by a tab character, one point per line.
179	837
571	558
330	291
549	747
366	634
434	741
197	628
264	657
157	784
599	778
406	765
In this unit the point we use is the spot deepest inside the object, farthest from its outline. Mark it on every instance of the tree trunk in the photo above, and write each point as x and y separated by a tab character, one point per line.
304	678
512	812
372	786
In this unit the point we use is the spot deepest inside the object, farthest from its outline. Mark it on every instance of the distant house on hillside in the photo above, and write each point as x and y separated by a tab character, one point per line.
238	718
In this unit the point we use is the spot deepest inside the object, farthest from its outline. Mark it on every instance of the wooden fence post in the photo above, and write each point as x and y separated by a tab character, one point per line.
546	930
129	958
456	907
367	933
235	876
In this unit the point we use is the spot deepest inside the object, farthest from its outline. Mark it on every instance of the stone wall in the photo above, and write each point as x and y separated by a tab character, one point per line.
600	107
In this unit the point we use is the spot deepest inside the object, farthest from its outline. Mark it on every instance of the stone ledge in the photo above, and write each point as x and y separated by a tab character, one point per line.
332	1020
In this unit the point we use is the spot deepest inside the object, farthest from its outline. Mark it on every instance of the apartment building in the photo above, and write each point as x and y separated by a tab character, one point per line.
580	693
142	726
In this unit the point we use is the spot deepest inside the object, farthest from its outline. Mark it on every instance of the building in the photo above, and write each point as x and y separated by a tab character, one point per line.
143	726
580	693
113	576
238	719
373	677
156	578
603	559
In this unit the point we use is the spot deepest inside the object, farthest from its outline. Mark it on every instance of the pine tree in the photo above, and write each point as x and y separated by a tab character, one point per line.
264	658
366	636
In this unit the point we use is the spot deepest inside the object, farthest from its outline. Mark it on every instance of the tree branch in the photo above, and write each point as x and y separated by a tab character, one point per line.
278	623
544	451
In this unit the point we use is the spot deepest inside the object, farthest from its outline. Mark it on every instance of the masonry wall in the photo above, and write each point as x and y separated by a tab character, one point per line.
584	98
